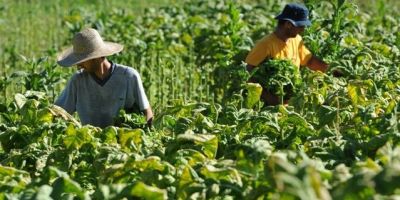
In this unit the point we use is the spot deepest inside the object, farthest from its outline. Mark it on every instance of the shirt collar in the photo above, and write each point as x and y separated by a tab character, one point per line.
104	81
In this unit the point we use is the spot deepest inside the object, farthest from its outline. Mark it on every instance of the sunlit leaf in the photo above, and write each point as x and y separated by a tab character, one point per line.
76	137
109	135
130	139
149	163
254	93
147	192
228	174
209	142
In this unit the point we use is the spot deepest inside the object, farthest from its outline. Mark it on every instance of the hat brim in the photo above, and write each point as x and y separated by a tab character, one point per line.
68	58
295	23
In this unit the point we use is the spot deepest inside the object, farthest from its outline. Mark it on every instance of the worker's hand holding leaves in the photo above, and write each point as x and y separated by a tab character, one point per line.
150	122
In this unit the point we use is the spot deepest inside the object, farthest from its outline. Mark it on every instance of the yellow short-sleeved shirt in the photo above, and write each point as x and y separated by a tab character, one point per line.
271	46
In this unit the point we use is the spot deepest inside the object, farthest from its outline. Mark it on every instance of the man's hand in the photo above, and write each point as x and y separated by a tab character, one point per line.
337	73
317	64
149	116
250	68
150	122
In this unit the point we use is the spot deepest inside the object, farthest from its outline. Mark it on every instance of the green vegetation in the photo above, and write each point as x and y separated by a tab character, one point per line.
212	139
278	77
35	26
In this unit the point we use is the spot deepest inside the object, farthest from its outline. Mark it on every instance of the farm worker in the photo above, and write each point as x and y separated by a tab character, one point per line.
100	88
285	43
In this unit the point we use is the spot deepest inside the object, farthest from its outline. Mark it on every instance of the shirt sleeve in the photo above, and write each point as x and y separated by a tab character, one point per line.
139	93
304	53
67	99
257	54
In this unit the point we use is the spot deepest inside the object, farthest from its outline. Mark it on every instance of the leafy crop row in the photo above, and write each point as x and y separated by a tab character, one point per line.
338	138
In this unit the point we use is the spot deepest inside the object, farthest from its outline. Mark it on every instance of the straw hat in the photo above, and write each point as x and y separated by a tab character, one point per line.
87	45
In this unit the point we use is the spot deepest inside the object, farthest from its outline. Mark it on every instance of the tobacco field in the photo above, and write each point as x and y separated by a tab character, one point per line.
338	137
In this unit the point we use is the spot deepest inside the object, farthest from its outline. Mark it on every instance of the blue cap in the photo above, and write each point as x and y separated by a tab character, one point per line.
297	14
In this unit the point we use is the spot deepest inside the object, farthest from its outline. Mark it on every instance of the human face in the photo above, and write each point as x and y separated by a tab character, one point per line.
89	66
293	31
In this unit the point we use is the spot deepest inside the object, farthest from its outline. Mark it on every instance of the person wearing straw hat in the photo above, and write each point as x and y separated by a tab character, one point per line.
100	88
285	43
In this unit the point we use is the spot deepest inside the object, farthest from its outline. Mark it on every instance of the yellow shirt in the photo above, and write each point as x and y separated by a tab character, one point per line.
271	46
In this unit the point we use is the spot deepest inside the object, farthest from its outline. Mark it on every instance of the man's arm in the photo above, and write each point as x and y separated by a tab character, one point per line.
68	97
249	69
317	64
149	116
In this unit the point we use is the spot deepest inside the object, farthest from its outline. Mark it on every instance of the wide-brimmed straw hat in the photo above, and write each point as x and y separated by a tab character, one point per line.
297	14
87	45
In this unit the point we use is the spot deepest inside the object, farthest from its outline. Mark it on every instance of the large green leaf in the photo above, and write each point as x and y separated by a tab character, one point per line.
45	115
188	182
141	190
388	180
20	100
13	180
149	163
29	112
219	174
254	91
327	115
130	139
109	191
208	142
76	137
44	192
190	156
64	186
109	135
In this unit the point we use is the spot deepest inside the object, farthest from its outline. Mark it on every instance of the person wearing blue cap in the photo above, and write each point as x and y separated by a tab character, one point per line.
285	43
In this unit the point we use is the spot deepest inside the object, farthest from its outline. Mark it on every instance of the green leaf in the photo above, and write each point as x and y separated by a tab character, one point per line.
291	118
209	142
191	156
29	112
130	139
109	135
111	191
278	76
44	193
144	191
188	182
45	116
20	100
64	185
225	173
254	91
149	163
326	115
385	153
13	180
353	94
388	180
186	177
77	137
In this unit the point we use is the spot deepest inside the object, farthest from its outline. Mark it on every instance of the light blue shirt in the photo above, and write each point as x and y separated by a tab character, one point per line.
98	105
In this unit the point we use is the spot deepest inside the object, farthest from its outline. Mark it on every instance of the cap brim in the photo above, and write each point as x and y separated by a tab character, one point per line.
295	23
68	58
301	23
